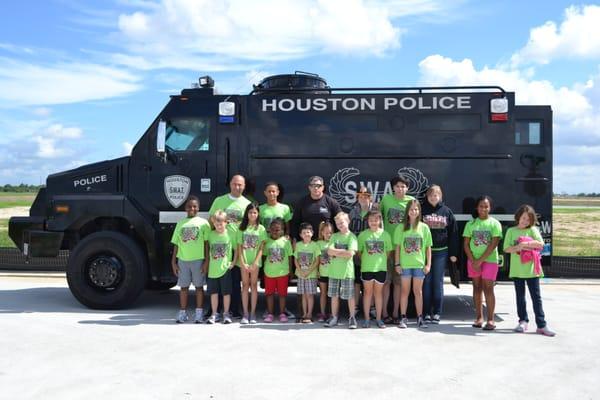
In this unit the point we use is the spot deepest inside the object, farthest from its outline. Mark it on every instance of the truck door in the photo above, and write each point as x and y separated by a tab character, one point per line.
533	158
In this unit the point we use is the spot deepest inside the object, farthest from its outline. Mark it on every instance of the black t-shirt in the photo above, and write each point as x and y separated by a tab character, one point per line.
314	212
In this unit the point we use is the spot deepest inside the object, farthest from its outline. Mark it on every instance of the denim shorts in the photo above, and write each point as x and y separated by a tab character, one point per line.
413	272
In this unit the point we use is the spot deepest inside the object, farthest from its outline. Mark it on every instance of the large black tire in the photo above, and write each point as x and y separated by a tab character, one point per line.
107	270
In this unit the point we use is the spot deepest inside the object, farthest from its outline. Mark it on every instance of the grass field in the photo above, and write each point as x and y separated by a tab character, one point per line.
576	231
10	199
4	239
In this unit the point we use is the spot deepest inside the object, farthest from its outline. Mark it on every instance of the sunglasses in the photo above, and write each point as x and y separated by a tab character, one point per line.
315	186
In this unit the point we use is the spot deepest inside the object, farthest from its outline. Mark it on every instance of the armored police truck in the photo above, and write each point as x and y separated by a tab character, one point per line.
116	217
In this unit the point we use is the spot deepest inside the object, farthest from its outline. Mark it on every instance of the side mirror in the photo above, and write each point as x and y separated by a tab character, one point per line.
161	138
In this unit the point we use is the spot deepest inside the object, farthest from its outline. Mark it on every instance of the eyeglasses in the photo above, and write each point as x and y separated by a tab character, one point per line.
315	186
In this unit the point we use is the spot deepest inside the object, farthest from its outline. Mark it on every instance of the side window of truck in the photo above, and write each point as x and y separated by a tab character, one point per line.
188	134
528	132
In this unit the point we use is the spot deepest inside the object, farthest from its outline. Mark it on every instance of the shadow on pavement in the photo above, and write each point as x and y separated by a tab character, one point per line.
160	307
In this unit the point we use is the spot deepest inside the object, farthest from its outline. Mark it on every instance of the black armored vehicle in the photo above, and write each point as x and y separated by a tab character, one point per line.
116	217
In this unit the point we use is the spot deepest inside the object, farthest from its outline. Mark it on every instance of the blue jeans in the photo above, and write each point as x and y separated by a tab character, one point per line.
536	298
433	286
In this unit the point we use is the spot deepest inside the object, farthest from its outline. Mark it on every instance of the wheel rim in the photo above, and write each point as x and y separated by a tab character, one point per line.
104	272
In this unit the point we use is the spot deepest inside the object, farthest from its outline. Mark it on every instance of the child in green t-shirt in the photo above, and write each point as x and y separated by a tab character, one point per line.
374	248
342	247
524	243
412	259
277	266
325	232
306	260
250	239
188	257
273	208
481	237
219	247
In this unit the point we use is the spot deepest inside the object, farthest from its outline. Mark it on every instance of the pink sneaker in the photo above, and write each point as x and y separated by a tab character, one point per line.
321	318
283	317
268	318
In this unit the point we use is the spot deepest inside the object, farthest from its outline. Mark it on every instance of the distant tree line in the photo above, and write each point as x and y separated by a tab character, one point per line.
22	188
593	194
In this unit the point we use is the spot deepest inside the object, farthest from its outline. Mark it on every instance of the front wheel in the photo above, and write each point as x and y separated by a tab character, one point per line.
107	270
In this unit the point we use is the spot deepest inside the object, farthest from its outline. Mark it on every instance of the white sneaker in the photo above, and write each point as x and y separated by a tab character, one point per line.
332	322
545	331
521	328
244	320
212	319
199	317
403	323
227	318
181	317
436	319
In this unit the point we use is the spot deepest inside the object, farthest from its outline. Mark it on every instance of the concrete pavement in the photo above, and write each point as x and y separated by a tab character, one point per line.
54	348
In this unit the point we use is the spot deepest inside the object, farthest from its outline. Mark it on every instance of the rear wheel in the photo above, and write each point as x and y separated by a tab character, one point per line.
107	270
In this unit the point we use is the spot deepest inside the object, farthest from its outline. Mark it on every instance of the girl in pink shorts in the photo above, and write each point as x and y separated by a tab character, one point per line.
481	237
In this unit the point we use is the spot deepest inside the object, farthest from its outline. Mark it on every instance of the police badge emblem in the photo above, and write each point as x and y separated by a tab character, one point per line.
177	189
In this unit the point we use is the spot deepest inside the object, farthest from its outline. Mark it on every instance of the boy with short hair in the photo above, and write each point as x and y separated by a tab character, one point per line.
306	260
342	247
188	257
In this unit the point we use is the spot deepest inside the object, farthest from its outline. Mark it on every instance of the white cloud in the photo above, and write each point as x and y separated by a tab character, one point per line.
578	36
576	112
43	147
229	34
127	147
24	83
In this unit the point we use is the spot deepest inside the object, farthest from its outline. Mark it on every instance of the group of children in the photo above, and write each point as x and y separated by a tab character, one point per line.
261	241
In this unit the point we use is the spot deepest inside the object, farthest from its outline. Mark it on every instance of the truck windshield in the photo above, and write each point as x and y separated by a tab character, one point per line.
188	134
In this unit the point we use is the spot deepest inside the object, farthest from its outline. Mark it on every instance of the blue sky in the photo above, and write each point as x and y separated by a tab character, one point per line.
80	81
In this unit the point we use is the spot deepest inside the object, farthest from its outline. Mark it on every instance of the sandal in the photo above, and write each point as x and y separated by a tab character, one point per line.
489	327
477	324
388	320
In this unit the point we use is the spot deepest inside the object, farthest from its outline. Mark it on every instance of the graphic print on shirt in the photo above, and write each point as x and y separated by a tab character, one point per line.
189	233
435	221
482	238
275	254
233	215
374	246
324	260
395	215
305	259
412	244
218	250
249	241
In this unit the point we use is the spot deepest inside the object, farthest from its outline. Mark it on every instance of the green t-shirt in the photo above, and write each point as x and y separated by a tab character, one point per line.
268	213
189	236
220	251
393	210
277	255
324	259
306	254
374	249
413	245
233	207
340	267
517	268
250	241
481	233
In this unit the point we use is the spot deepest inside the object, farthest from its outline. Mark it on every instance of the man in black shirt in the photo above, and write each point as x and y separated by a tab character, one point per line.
314	208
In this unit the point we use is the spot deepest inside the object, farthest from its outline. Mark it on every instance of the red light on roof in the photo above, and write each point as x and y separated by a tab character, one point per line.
503	117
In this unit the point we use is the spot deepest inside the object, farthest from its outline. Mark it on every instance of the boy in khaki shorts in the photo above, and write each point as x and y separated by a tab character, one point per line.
188	256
